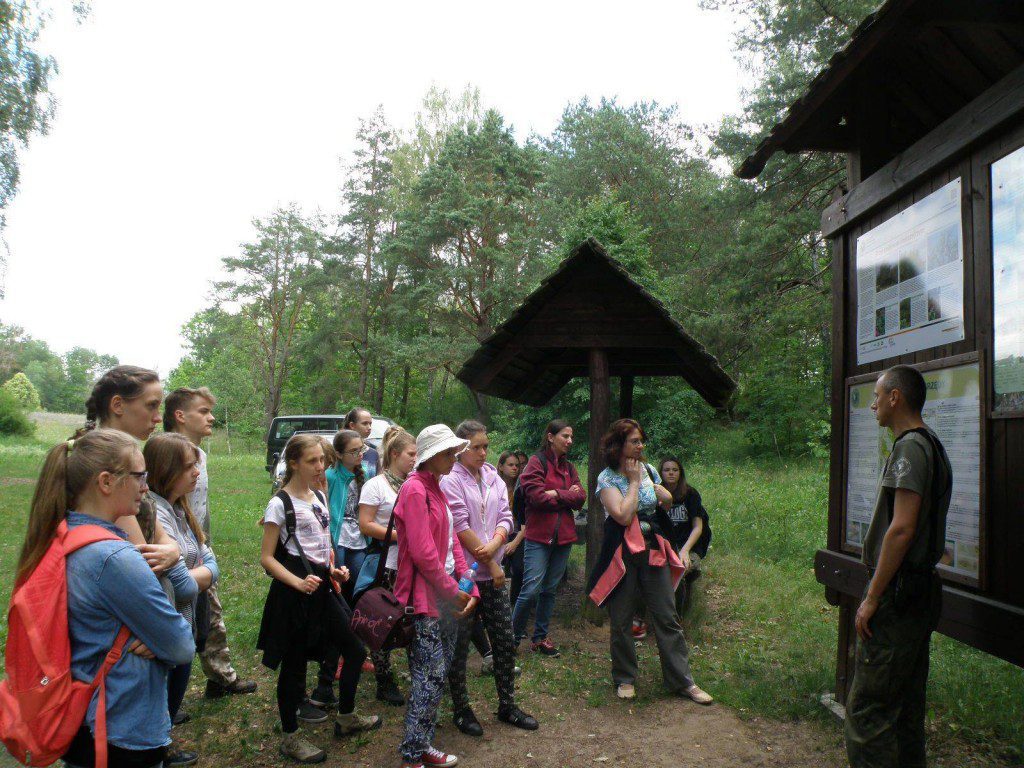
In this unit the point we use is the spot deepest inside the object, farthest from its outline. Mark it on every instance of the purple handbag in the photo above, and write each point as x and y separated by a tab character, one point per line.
379	619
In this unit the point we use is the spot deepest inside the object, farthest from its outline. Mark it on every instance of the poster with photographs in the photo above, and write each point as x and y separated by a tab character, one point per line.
1008	283
910	279
953	412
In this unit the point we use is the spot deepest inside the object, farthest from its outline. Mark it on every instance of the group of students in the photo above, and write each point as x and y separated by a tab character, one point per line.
450	513
156	575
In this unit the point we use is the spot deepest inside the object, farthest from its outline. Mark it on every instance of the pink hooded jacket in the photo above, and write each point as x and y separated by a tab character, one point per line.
421	521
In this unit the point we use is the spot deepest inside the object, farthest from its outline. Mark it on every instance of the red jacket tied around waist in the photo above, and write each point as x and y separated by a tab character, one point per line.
659	555
421	521
549	520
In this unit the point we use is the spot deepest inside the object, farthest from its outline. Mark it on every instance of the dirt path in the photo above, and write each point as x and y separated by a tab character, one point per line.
669	732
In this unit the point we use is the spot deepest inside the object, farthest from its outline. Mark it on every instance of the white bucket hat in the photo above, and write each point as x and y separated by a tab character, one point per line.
435	439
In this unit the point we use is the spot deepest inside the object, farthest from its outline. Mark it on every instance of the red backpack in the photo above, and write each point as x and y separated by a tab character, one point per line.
42	706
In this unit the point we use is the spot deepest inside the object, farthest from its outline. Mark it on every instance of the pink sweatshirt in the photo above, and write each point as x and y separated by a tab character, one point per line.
421	522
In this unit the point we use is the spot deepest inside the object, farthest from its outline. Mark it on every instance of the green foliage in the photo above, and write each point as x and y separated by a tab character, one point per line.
13	419
20	387
25	72
781	402
618	229
63	382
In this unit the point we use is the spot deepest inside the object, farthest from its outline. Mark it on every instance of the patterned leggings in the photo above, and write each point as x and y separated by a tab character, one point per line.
495	613
430	655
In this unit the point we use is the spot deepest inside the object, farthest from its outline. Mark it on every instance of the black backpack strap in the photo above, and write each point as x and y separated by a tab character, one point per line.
382	563
939	458
289	526
542	457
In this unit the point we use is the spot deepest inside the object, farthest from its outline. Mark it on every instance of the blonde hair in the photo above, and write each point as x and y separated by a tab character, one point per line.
297	446
395	440
67	471
330	455
167	456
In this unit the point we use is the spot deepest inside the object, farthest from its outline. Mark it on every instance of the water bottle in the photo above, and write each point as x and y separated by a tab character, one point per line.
466	582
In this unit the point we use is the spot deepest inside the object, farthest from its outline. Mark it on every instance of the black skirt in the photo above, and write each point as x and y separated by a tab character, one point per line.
291	617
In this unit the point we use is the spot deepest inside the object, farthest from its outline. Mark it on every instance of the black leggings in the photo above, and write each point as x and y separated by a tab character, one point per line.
342	643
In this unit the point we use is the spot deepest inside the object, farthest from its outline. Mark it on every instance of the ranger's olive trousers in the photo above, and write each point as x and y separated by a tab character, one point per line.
885	706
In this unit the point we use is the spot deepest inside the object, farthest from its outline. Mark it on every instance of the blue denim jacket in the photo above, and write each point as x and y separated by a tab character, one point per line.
110	584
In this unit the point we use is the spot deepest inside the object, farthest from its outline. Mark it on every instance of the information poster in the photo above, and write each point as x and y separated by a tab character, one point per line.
910	279
953	413
1008	282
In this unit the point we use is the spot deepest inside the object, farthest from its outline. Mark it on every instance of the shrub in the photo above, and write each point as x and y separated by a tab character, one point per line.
13	419
24	392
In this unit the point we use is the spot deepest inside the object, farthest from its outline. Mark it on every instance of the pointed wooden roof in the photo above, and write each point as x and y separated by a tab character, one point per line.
589	302
918	61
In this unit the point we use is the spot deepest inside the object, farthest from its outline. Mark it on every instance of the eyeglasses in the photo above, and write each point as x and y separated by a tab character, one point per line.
140	476
357	451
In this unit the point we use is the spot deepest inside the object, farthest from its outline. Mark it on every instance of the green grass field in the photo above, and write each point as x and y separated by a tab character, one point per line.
763	636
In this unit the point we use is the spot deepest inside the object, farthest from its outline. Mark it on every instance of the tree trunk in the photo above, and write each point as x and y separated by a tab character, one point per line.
600	415
403	410
626	397
482	406
378	398
363	364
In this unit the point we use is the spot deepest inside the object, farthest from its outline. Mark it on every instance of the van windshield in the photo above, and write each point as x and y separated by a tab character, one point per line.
286	429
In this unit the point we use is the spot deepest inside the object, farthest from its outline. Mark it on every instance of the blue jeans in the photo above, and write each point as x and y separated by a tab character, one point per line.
353	560
543	568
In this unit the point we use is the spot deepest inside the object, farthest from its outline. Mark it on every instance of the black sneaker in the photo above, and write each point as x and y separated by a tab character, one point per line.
466	722
323	698
181	757
387	691
238	687
308	713
181	717
515	716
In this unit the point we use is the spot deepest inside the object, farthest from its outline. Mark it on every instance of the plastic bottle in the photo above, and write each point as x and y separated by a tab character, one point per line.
466	582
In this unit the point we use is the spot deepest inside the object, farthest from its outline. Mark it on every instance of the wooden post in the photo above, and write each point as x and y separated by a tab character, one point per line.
600	416
626	397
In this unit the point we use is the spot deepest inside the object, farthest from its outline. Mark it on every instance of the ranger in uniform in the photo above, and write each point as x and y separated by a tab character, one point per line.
885	706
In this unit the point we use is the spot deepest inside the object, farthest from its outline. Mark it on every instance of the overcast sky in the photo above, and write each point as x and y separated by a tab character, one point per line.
178	123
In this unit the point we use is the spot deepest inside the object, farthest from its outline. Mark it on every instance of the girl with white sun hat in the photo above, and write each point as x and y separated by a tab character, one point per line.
430	561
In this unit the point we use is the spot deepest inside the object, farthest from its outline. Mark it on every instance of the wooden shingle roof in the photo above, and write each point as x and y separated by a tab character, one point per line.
916	62
589	302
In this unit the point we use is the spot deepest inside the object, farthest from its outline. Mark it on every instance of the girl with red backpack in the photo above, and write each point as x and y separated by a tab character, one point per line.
113	601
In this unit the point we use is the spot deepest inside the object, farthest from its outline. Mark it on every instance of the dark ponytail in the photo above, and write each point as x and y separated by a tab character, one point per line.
128	381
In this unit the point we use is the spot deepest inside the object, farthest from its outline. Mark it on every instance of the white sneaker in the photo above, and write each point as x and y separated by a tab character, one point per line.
625	691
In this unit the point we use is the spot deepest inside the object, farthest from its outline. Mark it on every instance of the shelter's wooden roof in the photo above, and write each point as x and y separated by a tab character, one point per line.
919	61
590	301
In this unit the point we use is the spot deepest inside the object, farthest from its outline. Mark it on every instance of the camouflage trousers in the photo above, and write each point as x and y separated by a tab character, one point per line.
216	658
885	706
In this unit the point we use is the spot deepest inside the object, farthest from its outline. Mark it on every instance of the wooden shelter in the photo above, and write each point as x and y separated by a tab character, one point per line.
590	318
927	102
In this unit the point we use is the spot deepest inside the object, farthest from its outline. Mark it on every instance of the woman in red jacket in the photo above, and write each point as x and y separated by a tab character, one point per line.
553	492
430	562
